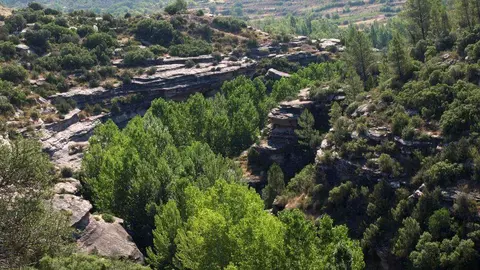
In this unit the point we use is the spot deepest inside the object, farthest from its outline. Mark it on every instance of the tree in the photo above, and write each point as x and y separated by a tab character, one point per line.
300	241
418	14
359	54
464	13
335	113
407	237
38	39
228	226
29	228
176	7
159	32
426	254
275	185
13	73
308	136
439	223
398	56
167	223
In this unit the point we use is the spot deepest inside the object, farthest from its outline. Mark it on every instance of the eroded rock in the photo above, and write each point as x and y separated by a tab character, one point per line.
76	207
108	239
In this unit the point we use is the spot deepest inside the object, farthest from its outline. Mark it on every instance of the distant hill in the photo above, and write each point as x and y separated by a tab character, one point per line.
99	6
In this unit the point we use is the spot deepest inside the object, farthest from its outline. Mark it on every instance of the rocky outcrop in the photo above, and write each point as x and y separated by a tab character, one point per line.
65	142
281	144
170	81
108	240
77	208
94	235
276	74
67	186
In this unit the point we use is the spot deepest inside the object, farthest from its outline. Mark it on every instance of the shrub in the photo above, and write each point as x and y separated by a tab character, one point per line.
158	50
137	57
191	48
66	172
200	12
189	63
5	107
158	32
97	109
176	7
13	73
108	218
7	50
217	56
229	24
63	106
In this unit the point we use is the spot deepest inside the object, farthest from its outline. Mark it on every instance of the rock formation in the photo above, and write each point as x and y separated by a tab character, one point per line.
94	235
170	81
281	144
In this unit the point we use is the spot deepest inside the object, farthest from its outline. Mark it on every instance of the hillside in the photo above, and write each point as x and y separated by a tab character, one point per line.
341	12
189	140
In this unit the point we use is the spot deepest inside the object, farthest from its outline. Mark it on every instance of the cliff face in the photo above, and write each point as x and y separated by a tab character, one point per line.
171	80
281	142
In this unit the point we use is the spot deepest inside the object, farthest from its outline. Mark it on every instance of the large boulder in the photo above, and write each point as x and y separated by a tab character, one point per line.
77	208
109	240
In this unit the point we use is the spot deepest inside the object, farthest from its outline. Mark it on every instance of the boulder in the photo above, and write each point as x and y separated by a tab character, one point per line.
276	74
75	206
108	239
67	186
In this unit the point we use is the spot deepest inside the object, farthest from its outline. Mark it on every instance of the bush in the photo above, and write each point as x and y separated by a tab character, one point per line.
108	218
137	57
6	108
200	12
7	50
158	50
13	73
176	7
63	106
158	32
66	172
190	49
189	63
229	24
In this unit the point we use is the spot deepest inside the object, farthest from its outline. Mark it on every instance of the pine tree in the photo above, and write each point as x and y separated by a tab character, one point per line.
359	53
398	56
307	135
418	14
275	186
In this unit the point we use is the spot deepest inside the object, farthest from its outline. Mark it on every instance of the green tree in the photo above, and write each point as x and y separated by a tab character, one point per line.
398	56
359	54
308	136
227	225
13	73
29	228
407	238
439	223
167	223
176	7
275	186
418	14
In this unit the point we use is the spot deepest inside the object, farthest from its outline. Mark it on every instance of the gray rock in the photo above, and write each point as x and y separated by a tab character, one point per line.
75	206
67	186
109	240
